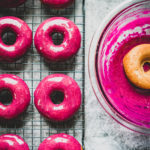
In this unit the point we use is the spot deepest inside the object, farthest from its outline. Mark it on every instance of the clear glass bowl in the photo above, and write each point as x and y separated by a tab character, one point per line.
125	27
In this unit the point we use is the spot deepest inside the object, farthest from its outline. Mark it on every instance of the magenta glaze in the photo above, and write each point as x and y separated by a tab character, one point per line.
57	3
11	3
12	142
23	42
20	93
69	47
60	142
130	102
70	104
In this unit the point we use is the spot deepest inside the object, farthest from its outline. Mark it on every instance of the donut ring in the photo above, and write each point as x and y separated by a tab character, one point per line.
133	65
60	141
11	3
12	142
20	93
23	42
70	104
57	3
46	47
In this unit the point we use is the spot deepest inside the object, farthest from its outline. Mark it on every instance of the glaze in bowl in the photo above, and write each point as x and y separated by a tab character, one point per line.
124	28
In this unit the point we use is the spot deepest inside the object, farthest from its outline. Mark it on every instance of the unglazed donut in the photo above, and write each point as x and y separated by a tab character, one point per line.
46	47
11	3
133	65
60	142
70	104
57	3
12	142
23	42
20	93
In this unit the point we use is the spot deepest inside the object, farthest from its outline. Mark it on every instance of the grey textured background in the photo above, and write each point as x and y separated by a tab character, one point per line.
102	132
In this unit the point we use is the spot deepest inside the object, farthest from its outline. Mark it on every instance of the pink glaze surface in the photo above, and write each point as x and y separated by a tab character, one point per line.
70	104
129	101
12	142
58	3
11	3
46	47
20	93
60	142
23	42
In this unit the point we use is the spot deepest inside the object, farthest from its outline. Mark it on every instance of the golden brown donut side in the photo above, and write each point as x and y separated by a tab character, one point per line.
133	65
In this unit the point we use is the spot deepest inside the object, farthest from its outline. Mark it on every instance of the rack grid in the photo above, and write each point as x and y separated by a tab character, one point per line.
32	68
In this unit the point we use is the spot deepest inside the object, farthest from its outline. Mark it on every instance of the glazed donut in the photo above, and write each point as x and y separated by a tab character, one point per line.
20	93
12	142
11	3
60	141
70	104
46	47
23	42
133	63
57	3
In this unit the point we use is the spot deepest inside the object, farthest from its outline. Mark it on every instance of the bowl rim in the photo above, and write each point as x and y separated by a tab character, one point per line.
92	67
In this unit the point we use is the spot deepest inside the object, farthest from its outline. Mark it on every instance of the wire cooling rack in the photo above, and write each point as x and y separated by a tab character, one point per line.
32	68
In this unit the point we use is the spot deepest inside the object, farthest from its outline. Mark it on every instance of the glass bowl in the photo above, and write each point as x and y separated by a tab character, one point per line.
124	28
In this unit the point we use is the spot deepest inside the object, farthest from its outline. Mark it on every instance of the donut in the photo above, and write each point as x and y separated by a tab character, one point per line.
60	142
133	63
12	142
11	53
57	4
20	96
71	42
11	3
70	104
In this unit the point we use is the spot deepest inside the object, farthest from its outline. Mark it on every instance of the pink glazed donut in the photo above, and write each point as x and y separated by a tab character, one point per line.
23	42
60	142
12	142
46	47
11	3
20	93
70	104
57	3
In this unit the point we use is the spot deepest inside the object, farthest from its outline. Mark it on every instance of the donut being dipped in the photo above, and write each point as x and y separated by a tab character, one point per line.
57	4
134	62
12	142
70	104
60	142
11	53
11	3
71	41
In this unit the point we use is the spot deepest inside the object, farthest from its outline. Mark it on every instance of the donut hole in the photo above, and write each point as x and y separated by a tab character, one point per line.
9	37
6	97
57	38
146	66
57	97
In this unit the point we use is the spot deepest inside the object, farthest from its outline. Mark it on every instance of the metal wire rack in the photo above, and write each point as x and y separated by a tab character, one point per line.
32	68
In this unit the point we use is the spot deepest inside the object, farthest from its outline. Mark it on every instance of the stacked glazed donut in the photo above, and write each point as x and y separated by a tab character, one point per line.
56	82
